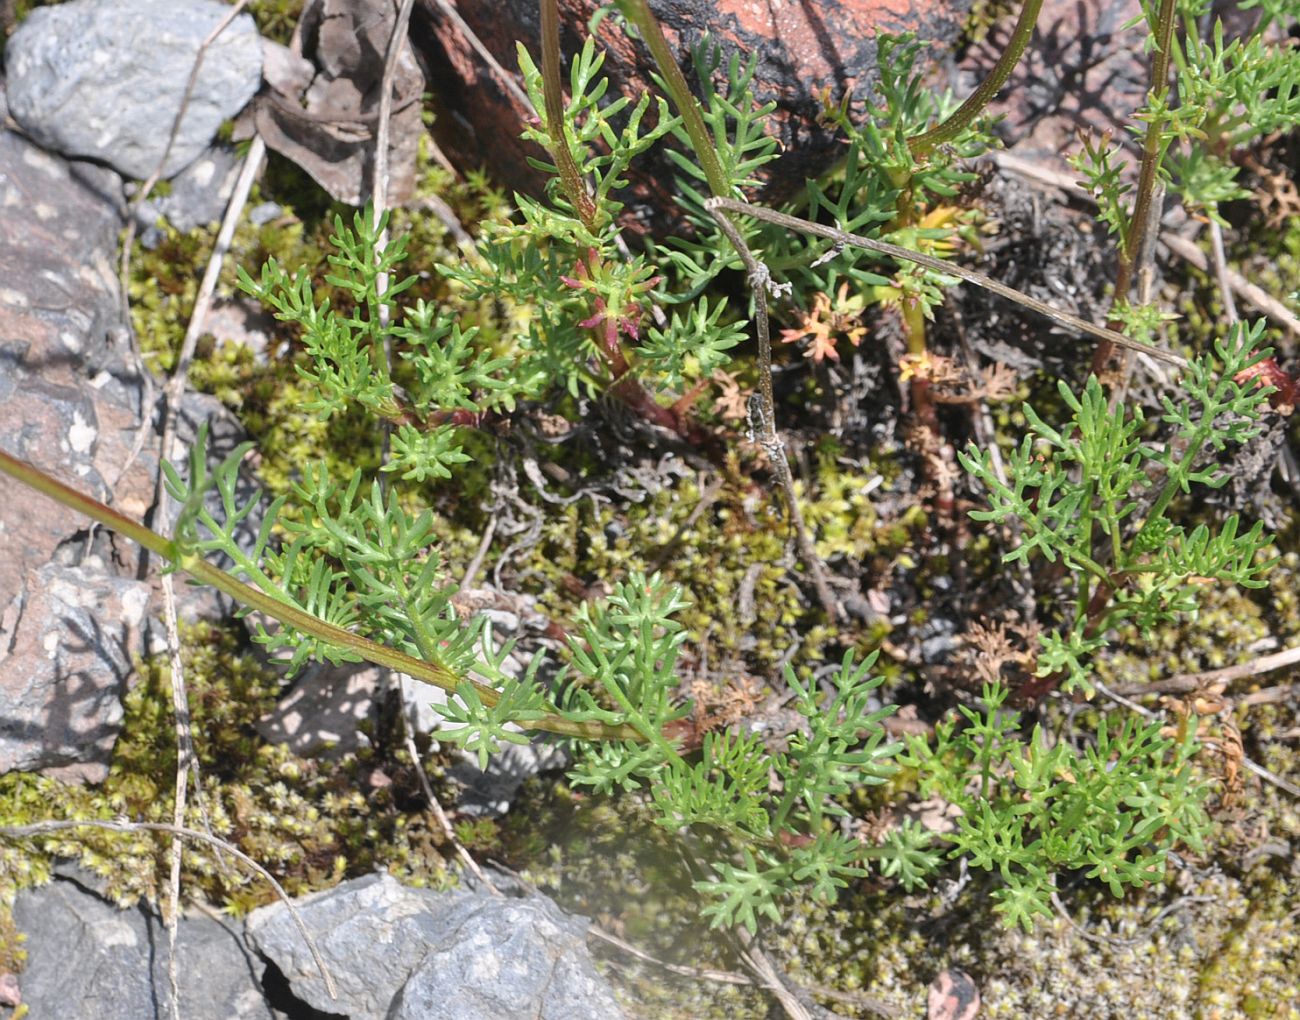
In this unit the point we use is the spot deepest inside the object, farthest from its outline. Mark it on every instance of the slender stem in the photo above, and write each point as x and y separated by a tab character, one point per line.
1133	242
640	723
957	122
765	426
639	14
946	268
426	672
1152	149
553	90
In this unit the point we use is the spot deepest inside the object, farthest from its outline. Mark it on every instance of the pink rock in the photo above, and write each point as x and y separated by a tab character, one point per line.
802	48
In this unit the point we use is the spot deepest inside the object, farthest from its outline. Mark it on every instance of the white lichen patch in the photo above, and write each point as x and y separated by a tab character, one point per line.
48	165
82	435
113	932
13	298
202	172
73	595
134	603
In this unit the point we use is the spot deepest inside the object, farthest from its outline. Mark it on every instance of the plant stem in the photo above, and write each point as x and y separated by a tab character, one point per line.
947	268
1133	242
922	144
371	651
765	413
570	177
639	14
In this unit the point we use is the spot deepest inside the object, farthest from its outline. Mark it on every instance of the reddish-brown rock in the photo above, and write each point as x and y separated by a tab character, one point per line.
802	46
1083	72
72	611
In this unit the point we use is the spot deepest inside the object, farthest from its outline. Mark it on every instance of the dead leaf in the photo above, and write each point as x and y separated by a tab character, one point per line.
732	403
328	126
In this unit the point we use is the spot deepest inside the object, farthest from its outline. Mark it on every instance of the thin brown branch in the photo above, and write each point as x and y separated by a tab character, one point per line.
439	815
947	269
480	554
396	40
725	977
504	77
570	177
1268	695
1265	774
753	955
1184	248
1252	294
1220	260
1134	250
1247	763
763	411
379	184
1184	683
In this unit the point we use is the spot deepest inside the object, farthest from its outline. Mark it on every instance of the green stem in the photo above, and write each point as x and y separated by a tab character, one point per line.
1131	243
949	129
794	787
1174	484
1152	150
553	91
291	616
639	14
639	722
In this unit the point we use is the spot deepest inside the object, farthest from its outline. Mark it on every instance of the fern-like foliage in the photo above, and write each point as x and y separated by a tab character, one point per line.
1030	808
1096	495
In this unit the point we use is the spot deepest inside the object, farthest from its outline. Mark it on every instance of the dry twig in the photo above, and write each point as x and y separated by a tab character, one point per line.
1185	249
1146	713
763	407
1182	683
894	251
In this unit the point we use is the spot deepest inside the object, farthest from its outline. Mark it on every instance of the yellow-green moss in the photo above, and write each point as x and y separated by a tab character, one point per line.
310	822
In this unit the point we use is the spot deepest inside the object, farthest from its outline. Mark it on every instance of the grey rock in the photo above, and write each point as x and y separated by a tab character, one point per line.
323	711
264	212
71	403
87	958
64	632
64	667
499	959
104	80
397	952
488	793
198	194
58	280
372	932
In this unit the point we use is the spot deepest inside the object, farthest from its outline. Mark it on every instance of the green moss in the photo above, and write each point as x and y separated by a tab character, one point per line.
276	18
310	822
730	549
